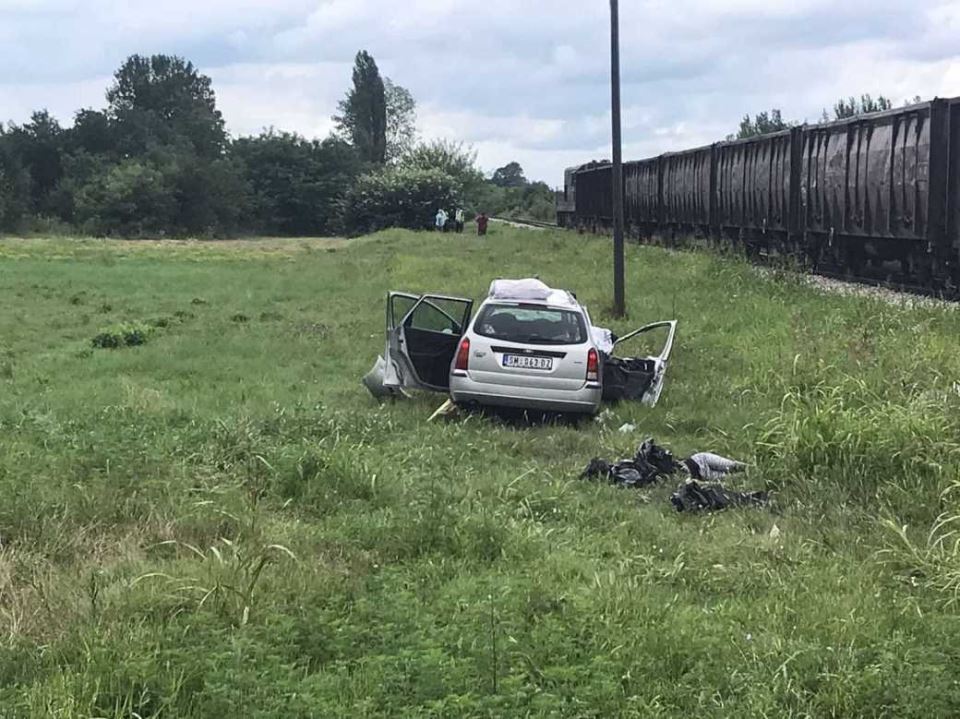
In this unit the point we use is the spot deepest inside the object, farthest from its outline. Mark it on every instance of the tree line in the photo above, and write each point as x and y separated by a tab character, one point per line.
767	122
157	161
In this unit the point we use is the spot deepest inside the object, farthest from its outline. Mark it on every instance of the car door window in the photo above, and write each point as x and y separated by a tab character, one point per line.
399	307
433	317
649	335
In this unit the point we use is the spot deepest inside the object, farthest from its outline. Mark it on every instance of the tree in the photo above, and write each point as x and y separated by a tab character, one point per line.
132	198
401	119
14	186
210	197
36	145
92	132
296	186
363	112
510	175
163	101
450	158
538	202
398	197
851	107
762	124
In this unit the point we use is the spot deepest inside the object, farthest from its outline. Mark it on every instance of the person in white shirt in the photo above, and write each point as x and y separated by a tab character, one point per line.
441	219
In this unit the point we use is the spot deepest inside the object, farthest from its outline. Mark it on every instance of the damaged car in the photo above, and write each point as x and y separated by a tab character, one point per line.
528	346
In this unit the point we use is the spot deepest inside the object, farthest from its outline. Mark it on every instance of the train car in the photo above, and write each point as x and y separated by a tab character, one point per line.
686	182
878	192
874	197
641	197
755	199
567	200
594	197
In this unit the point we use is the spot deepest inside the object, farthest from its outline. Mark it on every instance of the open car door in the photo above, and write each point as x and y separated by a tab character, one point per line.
639	378
423	333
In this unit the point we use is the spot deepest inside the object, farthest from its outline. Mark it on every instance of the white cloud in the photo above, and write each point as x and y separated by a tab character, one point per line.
18	100
525	81
299	97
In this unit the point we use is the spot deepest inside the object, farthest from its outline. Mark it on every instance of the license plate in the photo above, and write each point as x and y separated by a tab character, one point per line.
521	362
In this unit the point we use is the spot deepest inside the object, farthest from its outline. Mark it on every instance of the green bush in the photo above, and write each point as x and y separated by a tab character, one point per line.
399	197
159	322
126	335
133	198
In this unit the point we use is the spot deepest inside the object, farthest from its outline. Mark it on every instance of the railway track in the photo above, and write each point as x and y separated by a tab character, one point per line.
527	223
900	288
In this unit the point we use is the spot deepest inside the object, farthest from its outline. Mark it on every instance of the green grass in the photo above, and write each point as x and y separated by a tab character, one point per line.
221	522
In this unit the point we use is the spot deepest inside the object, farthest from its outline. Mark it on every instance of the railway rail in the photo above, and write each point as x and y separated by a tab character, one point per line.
527	223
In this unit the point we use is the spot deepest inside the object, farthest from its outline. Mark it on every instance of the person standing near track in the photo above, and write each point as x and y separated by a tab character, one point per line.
441	219
482	221
458	218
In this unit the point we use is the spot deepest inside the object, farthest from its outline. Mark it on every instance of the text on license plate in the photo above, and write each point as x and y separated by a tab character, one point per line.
520	362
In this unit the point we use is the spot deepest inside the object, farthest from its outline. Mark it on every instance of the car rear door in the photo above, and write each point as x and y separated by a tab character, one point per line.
657	362
423	332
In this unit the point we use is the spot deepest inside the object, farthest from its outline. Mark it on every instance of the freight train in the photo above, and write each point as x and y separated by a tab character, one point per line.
874	197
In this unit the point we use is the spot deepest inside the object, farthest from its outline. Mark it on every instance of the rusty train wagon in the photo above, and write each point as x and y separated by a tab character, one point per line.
594	198
753	199
686	191
881	191
641	193
874	196
567	200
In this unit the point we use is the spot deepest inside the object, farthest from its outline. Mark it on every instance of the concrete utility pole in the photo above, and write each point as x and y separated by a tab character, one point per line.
619	303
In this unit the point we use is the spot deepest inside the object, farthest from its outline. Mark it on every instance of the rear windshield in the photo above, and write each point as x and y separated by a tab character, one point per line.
531	324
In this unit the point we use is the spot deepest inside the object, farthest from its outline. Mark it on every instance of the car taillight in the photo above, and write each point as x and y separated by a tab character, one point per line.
593	366
463	355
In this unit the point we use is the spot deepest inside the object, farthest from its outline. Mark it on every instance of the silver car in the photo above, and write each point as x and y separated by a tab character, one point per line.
540	354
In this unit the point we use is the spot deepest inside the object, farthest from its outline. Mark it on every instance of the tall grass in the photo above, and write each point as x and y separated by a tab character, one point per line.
221	522
932	559
849	442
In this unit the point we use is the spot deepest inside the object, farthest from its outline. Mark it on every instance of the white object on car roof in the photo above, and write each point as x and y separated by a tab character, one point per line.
530	290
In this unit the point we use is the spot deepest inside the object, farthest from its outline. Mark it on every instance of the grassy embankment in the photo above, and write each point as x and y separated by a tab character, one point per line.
221	522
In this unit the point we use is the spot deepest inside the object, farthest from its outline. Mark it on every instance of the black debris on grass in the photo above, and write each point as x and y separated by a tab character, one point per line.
653	463
650	464
695	497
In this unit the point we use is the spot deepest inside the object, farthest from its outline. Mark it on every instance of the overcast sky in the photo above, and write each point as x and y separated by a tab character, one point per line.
523	80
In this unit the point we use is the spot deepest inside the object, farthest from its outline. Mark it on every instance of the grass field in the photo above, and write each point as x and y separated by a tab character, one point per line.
221	522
